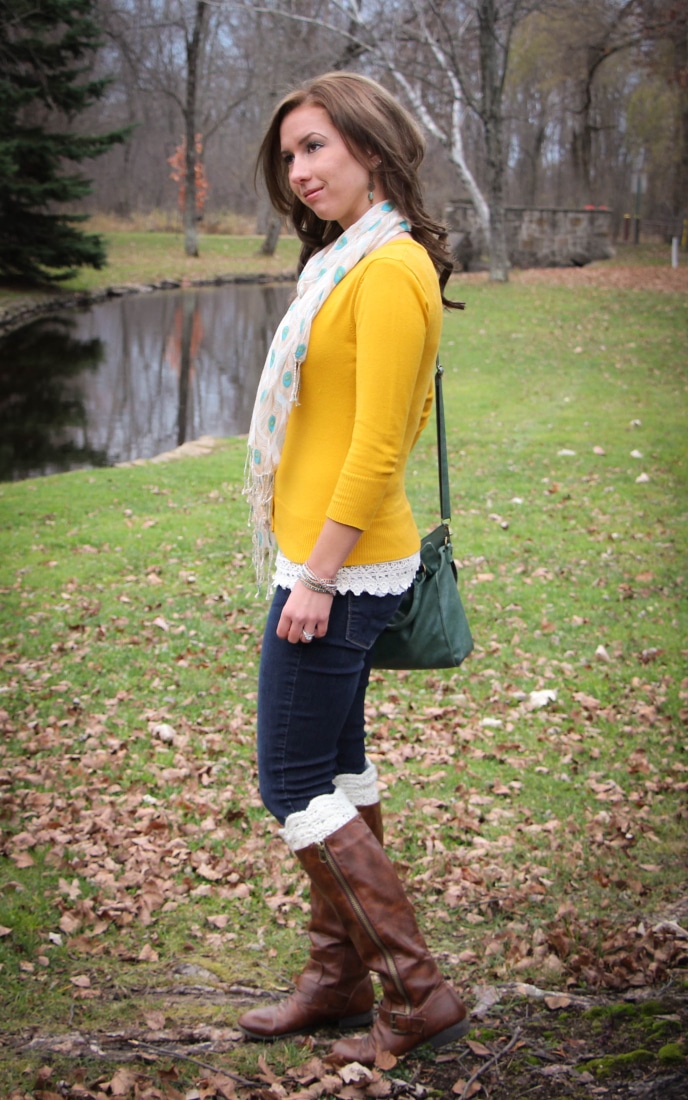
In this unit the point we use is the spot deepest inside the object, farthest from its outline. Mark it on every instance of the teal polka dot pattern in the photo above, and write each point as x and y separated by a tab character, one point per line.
278	390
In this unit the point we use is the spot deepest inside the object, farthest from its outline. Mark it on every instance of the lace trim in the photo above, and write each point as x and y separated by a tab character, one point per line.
385	578
361	790
323	815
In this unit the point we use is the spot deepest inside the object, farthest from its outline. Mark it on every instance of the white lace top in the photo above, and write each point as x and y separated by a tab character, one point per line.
384	578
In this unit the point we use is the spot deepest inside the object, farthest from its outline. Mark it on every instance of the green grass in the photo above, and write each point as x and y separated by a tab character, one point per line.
151	257
143	258
536	842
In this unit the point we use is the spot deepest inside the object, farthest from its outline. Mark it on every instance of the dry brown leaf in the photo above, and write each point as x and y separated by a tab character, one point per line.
208	872
354	1073
22	860
385	1060
123	1082
220	921
463	1089
479	1048
155	1020
69	924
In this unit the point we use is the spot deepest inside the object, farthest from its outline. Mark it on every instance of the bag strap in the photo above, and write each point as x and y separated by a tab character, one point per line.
442	463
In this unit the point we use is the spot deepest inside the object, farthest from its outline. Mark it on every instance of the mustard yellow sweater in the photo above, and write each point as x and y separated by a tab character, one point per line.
366	394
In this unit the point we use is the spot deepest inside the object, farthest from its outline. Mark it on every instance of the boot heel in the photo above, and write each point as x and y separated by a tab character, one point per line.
450	1034
363	1019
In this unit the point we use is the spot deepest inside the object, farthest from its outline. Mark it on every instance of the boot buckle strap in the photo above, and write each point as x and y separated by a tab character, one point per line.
402	1022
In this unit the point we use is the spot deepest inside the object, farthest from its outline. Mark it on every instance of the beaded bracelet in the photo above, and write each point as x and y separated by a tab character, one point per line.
326	586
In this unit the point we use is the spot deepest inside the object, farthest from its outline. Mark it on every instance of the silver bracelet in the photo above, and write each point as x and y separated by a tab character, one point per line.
326	586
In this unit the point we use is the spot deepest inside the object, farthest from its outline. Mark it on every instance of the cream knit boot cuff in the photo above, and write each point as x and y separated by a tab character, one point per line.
323	815
361	790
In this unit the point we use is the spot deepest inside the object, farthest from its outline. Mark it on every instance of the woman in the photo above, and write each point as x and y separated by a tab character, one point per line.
345	393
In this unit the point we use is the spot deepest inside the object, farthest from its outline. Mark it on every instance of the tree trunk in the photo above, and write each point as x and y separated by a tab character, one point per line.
272	232
492	84
193	52
680	189
582	138
532	165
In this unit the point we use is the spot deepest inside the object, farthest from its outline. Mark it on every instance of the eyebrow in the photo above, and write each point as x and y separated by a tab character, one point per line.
306	138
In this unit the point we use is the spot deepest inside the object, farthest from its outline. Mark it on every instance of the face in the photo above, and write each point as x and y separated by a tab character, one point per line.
323	173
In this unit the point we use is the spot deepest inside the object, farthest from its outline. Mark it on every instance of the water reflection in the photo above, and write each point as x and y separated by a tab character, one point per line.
43	417
133	377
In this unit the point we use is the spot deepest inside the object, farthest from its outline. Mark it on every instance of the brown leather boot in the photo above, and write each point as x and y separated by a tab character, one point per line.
352	871
334	988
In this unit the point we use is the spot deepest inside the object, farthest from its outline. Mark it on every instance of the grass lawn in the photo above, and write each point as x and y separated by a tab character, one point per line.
535	799
149	258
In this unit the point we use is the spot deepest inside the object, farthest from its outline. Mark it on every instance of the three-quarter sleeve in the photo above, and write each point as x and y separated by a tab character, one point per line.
391	314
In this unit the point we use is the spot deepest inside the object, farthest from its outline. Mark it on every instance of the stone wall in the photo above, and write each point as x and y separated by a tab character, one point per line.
536	237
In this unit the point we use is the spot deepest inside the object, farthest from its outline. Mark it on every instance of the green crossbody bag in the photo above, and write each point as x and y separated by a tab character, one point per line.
430	629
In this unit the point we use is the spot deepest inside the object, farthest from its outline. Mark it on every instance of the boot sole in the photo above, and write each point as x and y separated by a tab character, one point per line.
450	1034
364	1019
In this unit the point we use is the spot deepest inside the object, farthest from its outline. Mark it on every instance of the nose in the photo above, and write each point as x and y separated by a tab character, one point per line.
298	170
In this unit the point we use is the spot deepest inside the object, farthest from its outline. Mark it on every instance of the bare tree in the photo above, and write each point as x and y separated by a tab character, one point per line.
177	58
594	31
414	40
664	27
307	45
194	45
526	101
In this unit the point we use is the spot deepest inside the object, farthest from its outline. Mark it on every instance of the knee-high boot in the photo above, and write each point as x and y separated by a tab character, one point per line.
334	987
352	871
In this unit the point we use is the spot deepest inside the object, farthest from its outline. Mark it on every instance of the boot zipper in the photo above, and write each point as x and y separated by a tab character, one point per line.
327	858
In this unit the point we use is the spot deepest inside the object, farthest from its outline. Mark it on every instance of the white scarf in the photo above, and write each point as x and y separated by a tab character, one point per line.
278	389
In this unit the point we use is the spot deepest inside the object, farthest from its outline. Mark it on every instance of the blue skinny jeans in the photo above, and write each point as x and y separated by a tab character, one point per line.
310	701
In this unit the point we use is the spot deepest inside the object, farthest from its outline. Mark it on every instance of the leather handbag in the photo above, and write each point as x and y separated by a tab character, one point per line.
430	628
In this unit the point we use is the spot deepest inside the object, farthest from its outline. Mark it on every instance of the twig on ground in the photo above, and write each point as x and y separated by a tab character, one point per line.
492	1062
168	1053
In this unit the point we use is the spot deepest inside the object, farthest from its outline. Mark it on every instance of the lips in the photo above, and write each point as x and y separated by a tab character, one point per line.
308	196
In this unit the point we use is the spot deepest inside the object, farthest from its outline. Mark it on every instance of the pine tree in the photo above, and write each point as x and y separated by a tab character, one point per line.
46	51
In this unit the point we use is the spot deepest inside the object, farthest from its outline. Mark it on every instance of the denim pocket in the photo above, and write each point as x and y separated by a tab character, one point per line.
367	617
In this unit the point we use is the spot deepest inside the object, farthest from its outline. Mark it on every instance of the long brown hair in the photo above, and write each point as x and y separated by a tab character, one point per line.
374	126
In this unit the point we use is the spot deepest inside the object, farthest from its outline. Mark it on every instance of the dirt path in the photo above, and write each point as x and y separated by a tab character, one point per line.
525	1042
648	277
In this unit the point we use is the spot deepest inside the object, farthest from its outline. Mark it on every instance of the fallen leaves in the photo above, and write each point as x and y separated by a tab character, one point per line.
541	787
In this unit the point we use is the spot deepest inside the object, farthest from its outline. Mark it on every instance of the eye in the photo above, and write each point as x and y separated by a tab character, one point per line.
287	159
313	146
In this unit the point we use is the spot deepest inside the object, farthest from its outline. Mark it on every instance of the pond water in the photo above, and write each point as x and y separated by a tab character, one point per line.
133	376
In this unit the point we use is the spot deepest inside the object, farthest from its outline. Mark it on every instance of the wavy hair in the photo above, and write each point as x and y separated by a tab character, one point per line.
373	126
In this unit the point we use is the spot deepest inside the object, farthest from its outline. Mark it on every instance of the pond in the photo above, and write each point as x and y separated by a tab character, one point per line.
133	376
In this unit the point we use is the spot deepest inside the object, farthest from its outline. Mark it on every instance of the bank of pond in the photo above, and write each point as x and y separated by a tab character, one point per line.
134	376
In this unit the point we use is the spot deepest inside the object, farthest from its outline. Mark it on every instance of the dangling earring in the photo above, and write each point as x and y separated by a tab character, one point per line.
371	189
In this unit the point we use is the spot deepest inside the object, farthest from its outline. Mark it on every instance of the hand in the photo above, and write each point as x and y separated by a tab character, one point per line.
305	615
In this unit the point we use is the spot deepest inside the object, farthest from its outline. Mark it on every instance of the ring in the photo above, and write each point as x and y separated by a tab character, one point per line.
307	636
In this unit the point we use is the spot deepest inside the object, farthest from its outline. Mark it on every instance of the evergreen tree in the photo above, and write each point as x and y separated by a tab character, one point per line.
46	51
